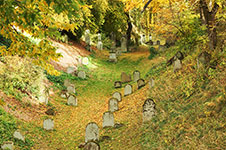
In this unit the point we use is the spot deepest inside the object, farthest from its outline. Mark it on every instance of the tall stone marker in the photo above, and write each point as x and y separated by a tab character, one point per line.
136	75
118	96
140	83
72	100
92	146
113	104
123	44
108	119
99	45
148	110
48	124
87	39
92	132
128	90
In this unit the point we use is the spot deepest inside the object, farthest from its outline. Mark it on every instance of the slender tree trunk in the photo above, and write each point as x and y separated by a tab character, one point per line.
128	32
210	21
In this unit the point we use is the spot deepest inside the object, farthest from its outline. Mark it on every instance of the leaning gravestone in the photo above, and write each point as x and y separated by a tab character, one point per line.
136	75
72	100
177	65
148	110
118	84
123	44
151	83
71	70
125	78
82	74
113	104
92	146
48	124
19	136
112	57
108	119
140	83
71	89
7	145
128	90
118	96
92	132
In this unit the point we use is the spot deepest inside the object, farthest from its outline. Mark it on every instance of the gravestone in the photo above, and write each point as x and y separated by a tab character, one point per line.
177	65
92	132
142	39
92	146
71	70
82	74
71	89
158	42
99	36
151	83
99	45
85	61
118	84
125	78
118	96
9	145
19	136
48	124
64	94
108	119
148	110
87	39
72	100
140	83
128	90
179	55
136	75
113	104
67	82
123	44
118	52
113	57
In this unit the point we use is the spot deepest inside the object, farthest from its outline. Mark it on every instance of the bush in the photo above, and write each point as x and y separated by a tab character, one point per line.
153	52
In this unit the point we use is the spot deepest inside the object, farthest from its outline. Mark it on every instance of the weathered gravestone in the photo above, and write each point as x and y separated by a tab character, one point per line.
112	57
72	100
128	90
148	110
99	36
48	124
140	83
142	39
92	146
9	145
85	61
125	78
82	74
67	82
92	132
118	84
71	89
151	83
19	136
118	96
177	65
113	104
108	119
87	39
136	75
99	45
71	70
123	44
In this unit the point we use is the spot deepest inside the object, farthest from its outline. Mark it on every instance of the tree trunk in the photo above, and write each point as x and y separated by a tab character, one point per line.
210	21
128	32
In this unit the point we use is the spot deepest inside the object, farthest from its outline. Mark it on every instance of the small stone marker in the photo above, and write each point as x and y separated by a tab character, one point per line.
48	124
92	132
67	82
113	57
113	104
19	136
140	83
177	65
92	146
71	70
128	90
118	96
136	75
148	110
123	44
118	84
125	78
82	74
108	119
85	61
151	83
71	89
72	100
7	145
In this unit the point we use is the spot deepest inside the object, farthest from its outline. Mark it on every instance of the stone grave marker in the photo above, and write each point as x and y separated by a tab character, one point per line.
19	136
99	36
128	90
142	39
108	119
177	65
48	124
9	145
67	82
148	110
113	57
118	84
125	78
72	100
136	75
158	42
113	104
140	83
64	94
123	44
151	83
82	74
92	146
99	45
71	70
92	132
118	96
87	37
118	52
71	89
85	61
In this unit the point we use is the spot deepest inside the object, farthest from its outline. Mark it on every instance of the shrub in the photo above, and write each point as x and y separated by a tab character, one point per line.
153	52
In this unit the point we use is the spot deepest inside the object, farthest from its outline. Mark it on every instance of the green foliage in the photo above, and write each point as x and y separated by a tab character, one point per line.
153	53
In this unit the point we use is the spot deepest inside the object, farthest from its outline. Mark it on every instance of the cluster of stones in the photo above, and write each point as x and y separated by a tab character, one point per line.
9	145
